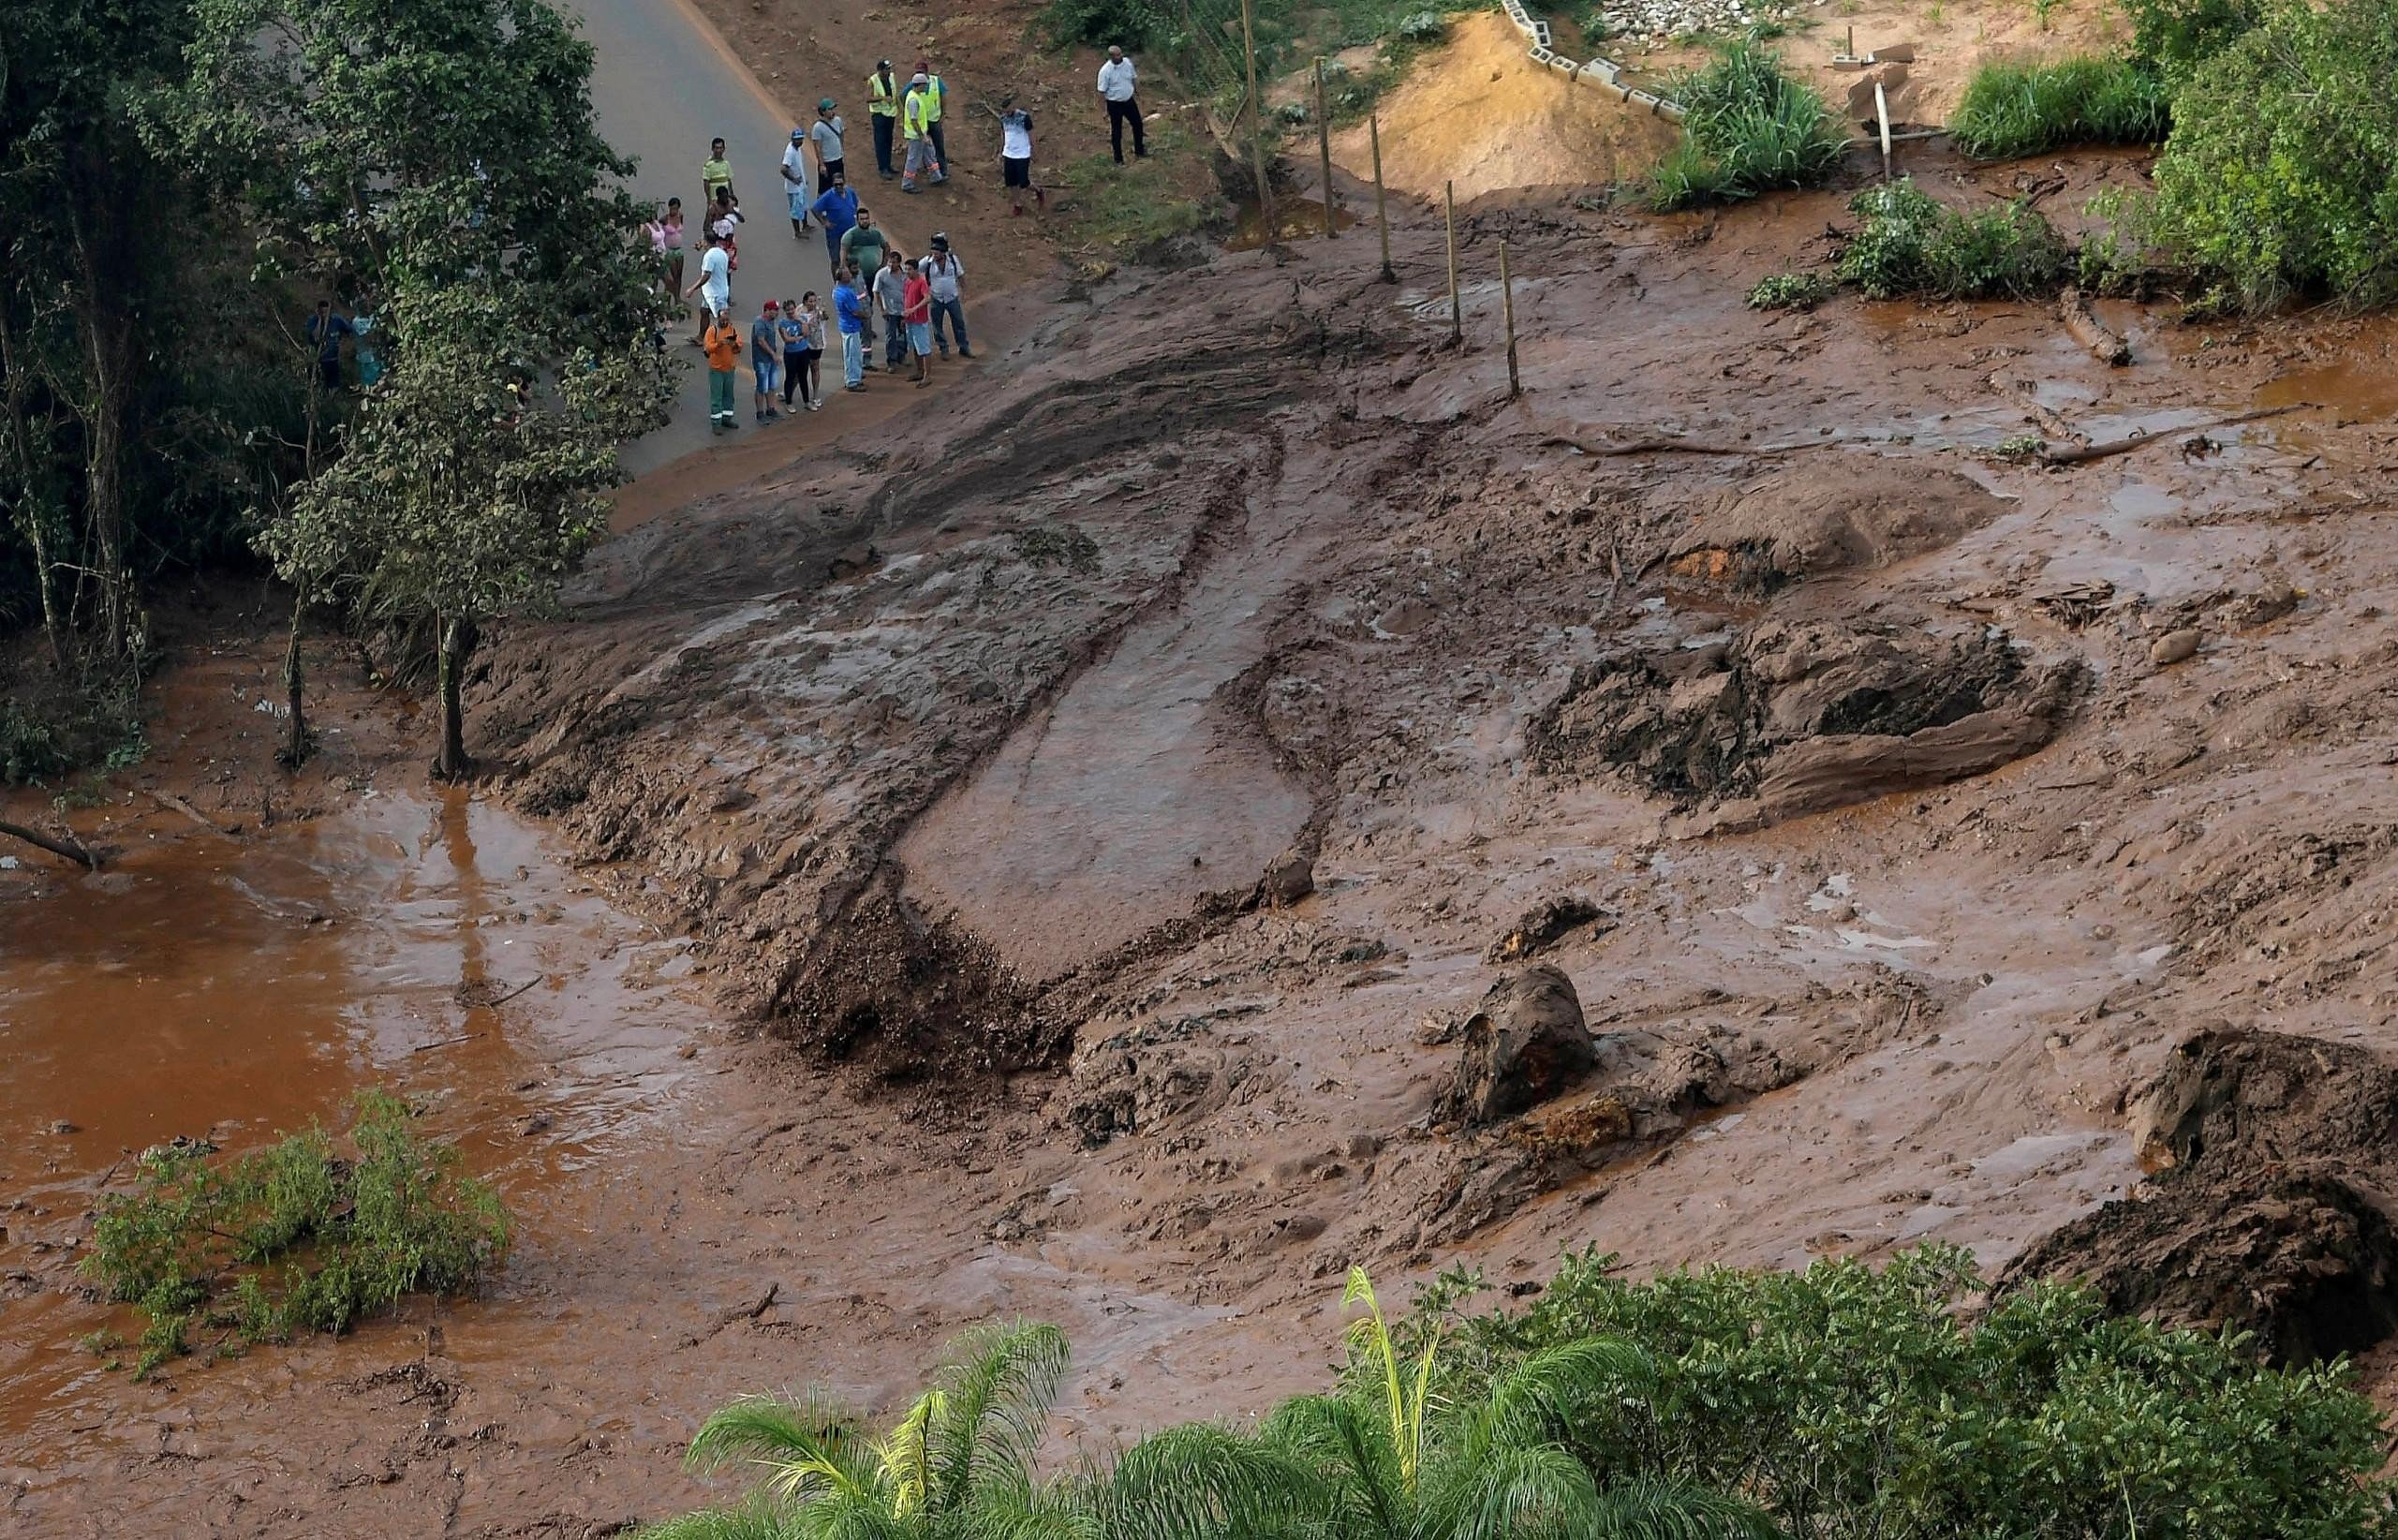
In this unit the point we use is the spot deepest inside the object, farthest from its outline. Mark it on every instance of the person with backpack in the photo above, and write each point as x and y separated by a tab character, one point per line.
942	270
827	135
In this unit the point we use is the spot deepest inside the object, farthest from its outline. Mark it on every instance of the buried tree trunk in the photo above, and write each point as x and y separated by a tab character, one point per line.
2089	330
65	846
457	643
295	748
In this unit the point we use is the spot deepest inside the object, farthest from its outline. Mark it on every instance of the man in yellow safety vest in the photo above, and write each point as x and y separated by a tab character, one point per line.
937	93
883	101
915	122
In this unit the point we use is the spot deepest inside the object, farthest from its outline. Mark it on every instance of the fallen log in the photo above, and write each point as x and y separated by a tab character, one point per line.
65	847
2089	330
2083	454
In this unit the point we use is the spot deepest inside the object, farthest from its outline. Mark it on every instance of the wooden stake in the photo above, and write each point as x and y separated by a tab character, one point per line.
1507	311
1381	212
1323	145
1449	208
1257	124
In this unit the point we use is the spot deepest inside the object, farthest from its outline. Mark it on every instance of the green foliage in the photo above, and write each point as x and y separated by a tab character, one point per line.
2281	178
1746	126
1790	291
1133	24
293	1238
2011	109
2173	35
1907	243
1855	1402
1837	1403
1133	212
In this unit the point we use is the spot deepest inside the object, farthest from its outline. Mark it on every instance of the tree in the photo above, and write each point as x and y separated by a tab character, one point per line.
470	486
957	1463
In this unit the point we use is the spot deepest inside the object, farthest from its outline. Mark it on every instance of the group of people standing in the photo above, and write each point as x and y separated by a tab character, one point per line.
919	305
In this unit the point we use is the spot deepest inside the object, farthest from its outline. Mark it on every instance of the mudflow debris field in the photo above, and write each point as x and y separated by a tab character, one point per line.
1234	795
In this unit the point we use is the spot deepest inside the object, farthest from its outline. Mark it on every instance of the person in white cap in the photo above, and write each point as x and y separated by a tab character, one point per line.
942	270
1118	81
795	184
918	128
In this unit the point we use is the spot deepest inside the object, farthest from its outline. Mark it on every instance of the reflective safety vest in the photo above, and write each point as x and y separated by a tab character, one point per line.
879	97
918	118
934	92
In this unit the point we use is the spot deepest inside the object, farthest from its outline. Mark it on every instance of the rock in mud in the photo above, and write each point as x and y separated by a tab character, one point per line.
1547	923
2174	647
1808	521
1525	1045
1290	879
2267	1218
1796	718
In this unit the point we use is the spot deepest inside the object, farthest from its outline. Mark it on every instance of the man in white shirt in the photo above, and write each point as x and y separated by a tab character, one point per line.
1116	84
795	184
716	278
942	270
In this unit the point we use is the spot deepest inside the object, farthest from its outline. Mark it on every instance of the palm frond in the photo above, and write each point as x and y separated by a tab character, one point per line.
755	1519
999	1382
1019	1508
809	1443
1348	1447
1549	1393
906	1452
1650	1510
1370	1338
1512	1493
1200	1482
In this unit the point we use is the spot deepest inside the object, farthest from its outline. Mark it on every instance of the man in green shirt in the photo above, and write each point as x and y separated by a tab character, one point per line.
716	171
862	249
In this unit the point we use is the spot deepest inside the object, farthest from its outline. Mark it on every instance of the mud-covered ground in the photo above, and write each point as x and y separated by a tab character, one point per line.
1132	778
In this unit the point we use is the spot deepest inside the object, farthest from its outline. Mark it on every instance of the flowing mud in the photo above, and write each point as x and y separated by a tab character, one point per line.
1138	775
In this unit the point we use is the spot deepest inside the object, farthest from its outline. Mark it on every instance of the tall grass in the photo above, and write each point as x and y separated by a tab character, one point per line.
2011	109
1747	127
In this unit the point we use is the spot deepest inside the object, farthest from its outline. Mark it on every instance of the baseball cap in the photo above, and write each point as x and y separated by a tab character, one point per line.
919	78
940	241
826	105
772	305
798	134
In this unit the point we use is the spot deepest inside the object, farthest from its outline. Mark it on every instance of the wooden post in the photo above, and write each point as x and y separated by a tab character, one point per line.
1507	311
1882	114
1257	124
1324	145
1382	214
1449	208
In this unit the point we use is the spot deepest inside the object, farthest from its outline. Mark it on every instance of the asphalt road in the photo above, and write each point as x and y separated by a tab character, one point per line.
665	84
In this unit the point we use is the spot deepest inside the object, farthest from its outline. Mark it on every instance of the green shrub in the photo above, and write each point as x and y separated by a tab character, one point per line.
1790	291
1857	1403
2281	178
2011	109
1907	242
293	1238
1747	127
2172	35
1422	26
1100	22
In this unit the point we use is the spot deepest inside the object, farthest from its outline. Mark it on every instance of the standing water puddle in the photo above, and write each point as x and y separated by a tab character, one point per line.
226	990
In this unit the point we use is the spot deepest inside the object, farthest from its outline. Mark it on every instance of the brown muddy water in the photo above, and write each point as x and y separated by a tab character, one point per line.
227	990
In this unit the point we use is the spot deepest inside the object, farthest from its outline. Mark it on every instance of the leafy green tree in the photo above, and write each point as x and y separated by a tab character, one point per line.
471	484
957	1463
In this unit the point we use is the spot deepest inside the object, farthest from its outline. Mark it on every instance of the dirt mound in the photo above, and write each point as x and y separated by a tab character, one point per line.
2268	1218
1524	1045
1764	536
1789	718
1478	111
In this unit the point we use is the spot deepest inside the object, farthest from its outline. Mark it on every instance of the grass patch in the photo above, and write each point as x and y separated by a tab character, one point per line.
1908	243
1130	213
1747	127
293	1238
2012	110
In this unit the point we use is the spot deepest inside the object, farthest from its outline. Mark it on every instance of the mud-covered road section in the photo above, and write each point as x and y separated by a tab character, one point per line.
1190	711
1147	777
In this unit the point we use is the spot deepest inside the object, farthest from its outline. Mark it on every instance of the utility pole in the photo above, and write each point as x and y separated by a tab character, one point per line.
1382	214
1449	208
1324	145
1257	124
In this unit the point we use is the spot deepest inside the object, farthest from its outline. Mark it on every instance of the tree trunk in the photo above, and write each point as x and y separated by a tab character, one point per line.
457	642
68	847
33	502
295	748
101	224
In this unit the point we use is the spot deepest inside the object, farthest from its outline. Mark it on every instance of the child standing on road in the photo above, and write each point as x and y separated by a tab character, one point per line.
722	340
917	305
766	361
